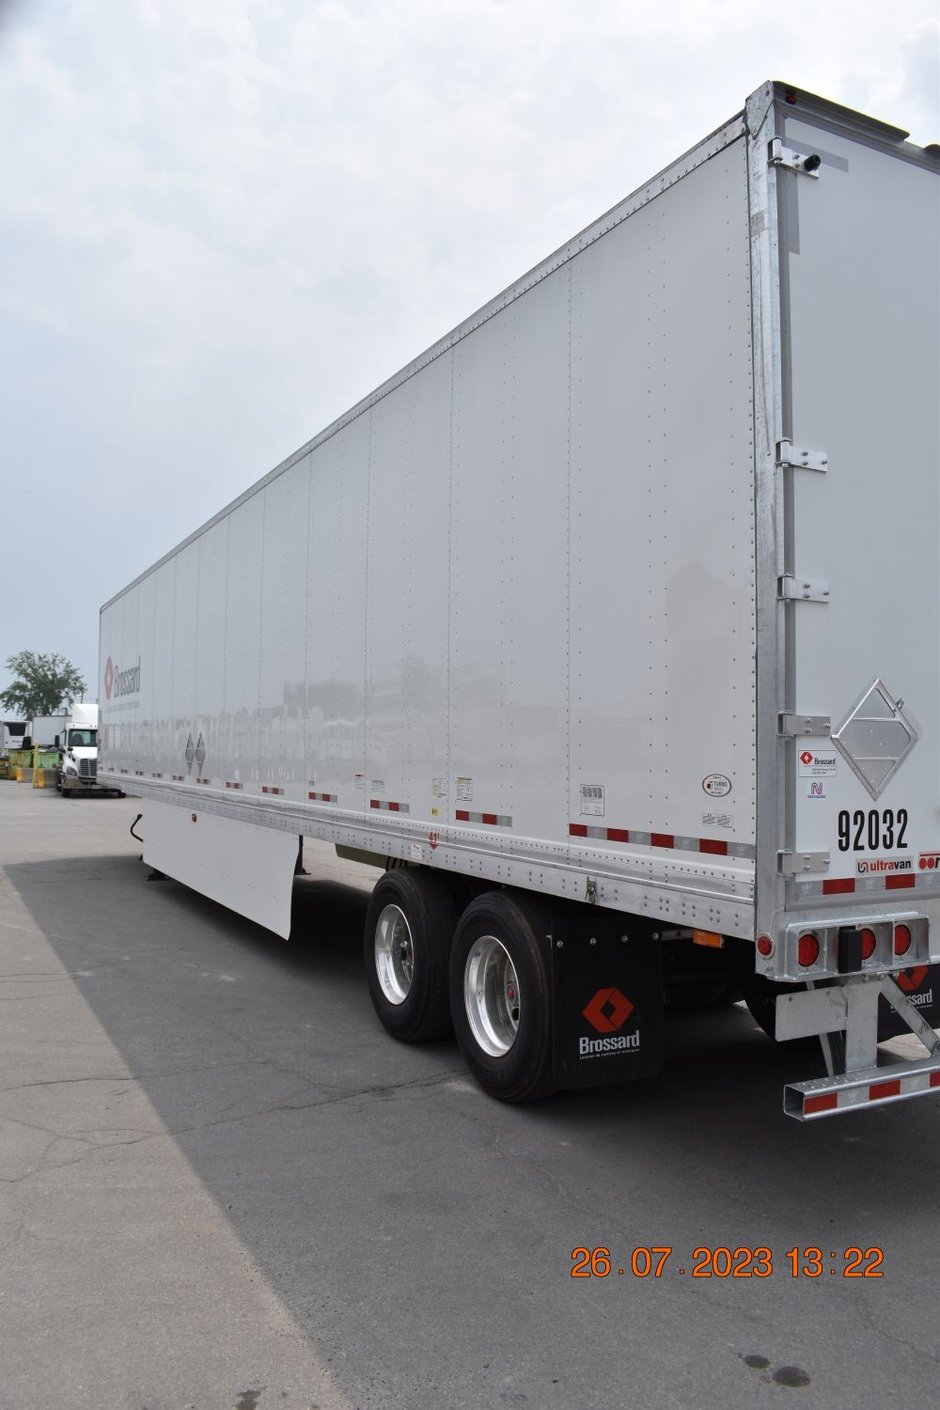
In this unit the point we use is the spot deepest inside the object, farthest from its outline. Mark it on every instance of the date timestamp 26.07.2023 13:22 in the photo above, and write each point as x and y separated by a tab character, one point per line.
726	1262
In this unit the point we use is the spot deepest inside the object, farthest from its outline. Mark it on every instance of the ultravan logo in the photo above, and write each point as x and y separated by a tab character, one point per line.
118	682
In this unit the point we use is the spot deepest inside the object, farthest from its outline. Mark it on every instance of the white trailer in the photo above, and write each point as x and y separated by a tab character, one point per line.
42	731
604	626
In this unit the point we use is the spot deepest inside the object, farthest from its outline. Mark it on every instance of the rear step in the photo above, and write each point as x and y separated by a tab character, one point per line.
850	1006
875	1086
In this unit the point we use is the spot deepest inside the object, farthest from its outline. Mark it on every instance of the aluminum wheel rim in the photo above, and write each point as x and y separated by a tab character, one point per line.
394	954
491	995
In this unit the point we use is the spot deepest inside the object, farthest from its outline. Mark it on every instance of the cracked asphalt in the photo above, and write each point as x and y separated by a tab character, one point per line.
223	1187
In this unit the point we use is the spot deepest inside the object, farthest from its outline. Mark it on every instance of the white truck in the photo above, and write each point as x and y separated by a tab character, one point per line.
77	742
604	627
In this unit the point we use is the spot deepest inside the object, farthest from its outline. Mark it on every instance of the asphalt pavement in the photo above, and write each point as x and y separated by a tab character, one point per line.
224	1187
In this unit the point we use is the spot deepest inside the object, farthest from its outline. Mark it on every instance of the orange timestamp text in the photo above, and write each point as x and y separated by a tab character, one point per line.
723	1261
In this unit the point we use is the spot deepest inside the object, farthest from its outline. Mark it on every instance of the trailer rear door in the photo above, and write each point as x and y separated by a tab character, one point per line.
861	371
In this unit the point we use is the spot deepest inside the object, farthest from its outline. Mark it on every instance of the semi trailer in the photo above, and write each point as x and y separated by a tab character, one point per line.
606	629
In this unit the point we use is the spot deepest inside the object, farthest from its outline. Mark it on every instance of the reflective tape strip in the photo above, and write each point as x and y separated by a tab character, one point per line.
234	785
829	1102
483	819
870	1094
178	778
322	797
271	788
709	846
861	885
203	780
383	805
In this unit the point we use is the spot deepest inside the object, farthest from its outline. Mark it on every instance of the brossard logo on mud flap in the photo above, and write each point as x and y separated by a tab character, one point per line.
607	1011
910	980
921	1000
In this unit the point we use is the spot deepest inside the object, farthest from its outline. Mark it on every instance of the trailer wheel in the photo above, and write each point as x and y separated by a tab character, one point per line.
500	996
409	926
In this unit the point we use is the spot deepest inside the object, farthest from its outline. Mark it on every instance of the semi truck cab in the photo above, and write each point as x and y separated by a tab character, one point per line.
78	752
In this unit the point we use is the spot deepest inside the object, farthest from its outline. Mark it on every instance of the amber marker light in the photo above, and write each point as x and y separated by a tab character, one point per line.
708	937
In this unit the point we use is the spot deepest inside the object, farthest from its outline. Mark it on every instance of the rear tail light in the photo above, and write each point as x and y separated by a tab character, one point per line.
902	939
807	950
868	943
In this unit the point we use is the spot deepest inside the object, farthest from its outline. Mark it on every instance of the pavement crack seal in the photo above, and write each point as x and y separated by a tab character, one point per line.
378	1090
70	1081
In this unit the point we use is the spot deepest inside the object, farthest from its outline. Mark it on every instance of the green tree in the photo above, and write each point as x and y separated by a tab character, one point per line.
42	684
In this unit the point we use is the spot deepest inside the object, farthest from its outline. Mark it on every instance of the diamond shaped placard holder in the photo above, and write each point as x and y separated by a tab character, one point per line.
876	737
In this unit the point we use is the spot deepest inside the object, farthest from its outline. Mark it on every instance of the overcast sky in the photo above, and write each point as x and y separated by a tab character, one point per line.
225	221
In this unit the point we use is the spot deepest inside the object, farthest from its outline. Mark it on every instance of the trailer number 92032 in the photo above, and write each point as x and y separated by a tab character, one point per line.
725	1262
870	831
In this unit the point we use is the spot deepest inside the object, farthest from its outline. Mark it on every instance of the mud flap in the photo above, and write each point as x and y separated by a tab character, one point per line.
607	1000
921	985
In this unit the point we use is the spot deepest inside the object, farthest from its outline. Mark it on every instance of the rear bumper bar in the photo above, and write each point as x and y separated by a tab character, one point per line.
844	1016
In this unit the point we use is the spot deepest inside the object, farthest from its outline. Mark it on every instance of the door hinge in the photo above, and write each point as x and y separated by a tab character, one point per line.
791	457
806	163
794	726
798	863
798	589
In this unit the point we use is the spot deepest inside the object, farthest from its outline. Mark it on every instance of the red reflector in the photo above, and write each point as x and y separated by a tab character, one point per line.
461	815
826	1103
868	943
576	829
765	946
807	950
902	939
490	819
713	845
662	839
838	886
884	1089
935	1079
898	883
618	834
394	807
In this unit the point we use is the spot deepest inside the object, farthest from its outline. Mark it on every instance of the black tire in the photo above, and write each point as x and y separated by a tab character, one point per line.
505	1032
406	953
